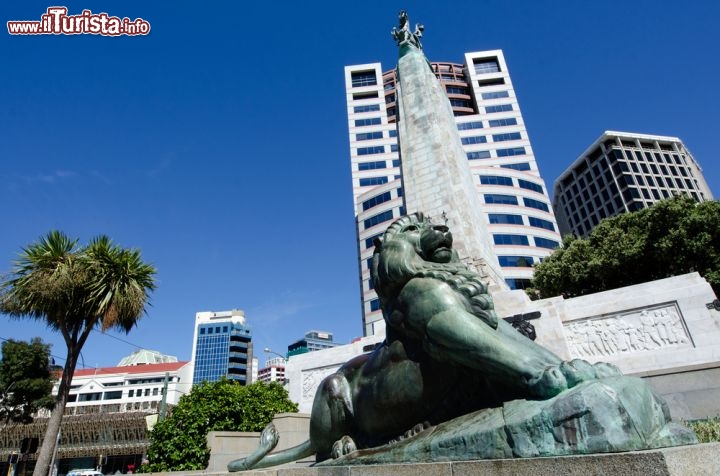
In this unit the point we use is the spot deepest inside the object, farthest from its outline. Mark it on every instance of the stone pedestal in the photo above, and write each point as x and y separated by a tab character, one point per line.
676	461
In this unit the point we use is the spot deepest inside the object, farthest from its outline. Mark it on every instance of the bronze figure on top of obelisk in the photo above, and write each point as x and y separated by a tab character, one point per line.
404	36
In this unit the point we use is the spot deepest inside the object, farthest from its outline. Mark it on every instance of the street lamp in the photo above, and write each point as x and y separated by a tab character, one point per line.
267	350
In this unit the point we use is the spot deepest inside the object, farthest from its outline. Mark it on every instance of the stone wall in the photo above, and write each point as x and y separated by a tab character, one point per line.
226	446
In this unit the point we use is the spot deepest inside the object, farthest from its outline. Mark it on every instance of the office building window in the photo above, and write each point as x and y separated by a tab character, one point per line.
545	243
511	152
372	121
369	135
381	164
505	219
495	95
518	240
532	203
486	65
379	218
460	103
457	90
365	95
498	108
515	261
365	182
478	154
506	136
496	198
375	305
363	78
495	180
530	186
378	149
464	126
520	166
540	223
510	121
514	283
473	140
376	200
367	108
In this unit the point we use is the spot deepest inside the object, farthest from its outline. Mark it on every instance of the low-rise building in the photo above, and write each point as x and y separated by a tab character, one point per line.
274	371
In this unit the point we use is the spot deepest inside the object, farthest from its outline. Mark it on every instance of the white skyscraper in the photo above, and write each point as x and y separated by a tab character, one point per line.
511	193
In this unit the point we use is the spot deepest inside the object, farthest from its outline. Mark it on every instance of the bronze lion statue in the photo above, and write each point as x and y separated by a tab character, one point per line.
446	354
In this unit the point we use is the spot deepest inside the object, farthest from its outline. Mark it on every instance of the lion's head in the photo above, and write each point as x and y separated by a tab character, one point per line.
414	247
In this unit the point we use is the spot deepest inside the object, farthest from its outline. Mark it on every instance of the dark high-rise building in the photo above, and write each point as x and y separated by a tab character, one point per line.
623	172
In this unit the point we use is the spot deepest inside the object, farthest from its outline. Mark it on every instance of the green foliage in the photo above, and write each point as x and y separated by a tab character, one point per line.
706	430
179	442
25	381
674	236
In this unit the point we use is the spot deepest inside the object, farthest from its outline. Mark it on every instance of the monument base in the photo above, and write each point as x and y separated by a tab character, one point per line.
675	461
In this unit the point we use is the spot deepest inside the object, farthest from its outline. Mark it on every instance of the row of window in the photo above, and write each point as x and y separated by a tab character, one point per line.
523	166
155	392
522	240
498	108
366	108
369	135
495	95
511	219
507	181
509	121
209	330
370	121
486	65
363	78
376	200
464	126
496	138
485	154
380	164
366	182
499	199
457	90
377	219
500	180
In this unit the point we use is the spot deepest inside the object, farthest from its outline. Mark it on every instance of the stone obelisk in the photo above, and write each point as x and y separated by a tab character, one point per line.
436	177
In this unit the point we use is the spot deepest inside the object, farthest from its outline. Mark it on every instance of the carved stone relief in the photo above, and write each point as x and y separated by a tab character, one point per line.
312	378
635	331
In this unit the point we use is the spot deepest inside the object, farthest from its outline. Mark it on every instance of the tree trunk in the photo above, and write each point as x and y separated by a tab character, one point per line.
42	466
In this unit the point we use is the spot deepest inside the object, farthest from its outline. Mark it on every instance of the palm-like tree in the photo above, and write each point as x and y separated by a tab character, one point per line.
75	290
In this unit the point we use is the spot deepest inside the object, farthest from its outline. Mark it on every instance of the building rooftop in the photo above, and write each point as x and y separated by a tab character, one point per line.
146	356
130	369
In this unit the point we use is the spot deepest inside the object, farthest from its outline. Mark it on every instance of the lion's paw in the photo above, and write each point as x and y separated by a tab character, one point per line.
579	370
603	370
419	428
557	378
269	437
549	383
342	447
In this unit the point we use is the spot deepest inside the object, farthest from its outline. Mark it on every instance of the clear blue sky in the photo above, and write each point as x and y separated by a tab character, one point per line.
218	143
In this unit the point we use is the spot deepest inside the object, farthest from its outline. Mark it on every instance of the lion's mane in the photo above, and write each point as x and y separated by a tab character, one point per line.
396	261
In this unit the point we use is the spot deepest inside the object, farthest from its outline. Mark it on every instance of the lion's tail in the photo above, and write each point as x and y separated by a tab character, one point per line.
303	450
